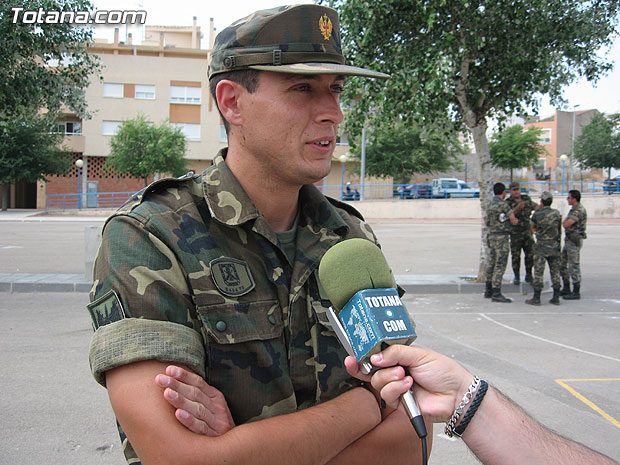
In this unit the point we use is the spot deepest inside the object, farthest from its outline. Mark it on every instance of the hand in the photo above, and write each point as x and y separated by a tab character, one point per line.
199	407
440	382
520	206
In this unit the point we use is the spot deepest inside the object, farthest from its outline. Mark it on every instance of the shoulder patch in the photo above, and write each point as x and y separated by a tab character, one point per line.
231	276
106	309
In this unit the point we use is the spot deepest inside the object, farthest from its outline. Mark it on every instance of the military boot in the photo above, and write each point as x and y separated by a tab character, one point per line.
488	291
517	272
528	275
565	288
535	300
575	294
555	300
498	297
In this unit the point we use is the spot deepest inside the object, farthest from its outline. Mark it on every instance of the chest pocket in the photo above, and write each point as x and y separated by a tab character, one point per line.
247	358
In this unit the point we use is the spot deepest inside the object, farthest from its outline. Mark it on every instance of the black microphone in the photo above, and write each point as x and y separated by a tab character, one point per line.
368	314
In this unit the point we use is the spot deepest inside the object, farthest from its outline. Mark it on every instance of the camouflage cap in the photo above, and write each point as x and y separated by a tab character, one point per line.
515	185
298	39
546	195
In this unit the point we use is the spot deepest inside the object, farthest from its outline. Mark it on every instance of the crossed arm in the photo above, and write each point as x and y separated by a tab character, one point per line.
162	425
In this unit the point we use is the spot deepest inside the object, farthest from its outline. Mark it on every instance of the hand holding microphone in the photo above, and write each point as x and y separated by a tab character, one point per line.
367	313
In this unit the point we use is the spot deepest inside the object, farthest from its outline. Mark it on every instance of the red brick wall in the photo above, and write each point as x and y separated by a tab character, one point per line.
107	182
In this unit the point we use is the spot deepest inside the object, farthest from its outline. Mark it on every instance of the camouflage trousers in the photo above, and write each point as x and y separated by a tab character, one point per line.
539	271
570	268
522	241
497	259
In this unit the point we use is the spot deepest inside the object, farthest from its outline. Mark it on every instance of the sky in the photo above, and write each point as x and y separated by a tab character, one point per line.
603	96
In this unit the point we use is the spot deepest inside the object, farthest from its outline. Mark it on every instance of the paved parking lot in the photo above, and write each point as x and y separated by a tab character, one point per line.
562	364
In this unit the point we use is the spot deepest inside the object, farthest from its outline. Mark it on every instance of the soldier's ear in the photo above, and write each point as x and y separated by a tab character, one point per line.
227	94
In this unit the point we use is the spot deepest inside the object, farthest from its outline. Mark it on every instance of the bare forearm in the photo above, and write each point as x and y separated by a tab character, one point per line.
311	436
393	441
502	433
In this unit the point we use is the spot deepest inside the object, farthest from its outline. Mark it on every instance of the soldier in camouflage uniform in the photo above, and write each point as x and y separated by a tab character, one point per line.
575	228
547	225
216	274
498	219
521	234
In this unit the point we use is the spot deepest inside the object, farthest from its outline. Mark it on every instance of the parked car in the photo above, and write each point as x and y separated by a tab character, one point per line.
453	188
412	191
612	186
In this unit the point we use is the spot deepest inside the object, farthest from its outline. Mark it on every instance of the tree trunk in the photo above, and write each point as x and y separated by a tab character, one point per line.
481	143
5	196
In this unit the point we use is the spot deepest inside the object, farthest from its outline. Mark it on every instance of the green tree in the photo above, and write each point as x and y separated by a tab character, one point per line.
28	152
598	146
140	149
400	150
513	148
43	66
471	60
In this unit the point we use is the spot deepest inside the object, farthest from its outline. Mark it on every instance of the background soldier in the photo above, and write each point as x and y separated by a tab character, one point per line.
575	227
499	218
547	225
520	234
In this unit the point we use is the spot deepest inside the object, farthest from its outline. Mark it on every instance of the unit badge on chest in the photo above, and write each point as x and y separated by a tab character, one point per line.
231	276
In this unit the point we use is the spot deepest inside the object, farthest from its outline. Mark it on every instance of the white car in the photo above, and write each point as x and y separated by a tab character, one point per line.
453	188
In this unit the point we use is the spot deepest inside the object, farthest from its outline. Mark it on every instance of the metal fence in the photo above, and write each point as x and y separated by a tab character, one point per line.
110	200
425	191
107	200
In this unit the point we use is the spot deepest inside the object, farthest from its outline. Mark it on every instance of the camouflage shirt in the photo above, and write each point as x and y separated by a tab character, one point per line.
497	219
578	230
548	224
522	215
190	272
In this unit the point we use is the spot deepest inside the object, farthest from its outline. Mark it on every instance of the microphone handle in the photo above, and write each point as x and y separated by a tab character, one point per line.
414	414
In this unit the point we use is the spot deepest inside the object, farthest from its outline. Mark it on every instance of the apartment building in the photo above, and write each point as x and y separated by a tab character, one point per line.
164	78
559	132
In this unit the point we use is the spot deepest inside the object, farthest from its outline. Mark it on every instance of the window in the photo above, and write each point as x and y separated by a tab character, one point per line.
112	90
183	94
110	127
545	137
146	92
70	128
342	139
190	131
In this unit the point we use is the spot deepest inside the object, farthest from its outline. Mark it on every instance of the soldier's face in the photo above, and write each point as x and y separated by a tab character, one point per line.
290	123
515	192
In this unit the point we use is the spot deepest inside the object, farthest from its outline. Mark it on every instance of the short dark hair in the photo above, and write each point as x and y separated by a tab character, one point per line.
575	194
248	78
498	188
547	202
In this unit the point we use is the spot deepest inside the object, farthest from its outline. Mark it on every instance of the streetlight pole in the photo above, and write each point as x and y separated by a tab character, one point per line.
563	159
572	149
79	163
363	161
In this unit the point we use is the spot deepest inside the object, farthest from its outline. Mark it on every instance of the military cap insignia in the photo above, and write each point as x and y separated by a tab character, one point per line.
231	276
325	26
105	310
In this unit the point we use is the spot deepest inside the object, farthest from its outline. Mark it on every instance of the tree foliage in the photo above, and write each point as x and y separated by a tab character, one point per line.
140	149
470	60
29	152
513	148
598	146
400	150
43	66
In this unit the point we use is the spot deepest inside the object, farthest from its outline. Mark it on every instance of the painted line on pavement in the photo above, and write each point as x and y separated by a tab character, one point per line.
576	349
587	401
